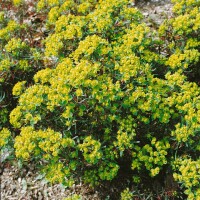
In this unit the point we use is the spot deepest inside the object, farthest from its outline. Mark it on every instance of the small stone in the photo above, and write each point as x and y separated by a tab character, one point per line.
19	180
146	14
3	185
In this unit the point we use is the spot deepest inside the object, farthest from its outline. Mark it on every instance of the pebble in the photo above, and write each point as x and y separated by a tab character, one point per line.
145	14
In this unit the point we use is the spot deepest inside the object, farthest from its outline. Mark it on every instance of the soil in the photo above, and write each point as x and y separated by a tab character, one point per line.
27	184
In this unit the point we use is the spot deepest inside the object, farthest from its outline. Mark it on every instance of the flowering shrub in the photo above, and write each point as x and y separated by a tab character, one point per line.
182	34
5	134
98	103
126	195
188	175
20	58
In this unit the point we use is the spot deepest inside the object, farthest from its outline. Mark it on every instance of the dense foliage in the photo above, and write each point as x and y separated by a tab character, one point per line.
100	91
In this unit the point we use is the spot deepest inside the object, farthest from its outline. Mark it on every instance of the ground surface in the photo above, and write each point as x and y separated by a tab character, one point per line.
27	184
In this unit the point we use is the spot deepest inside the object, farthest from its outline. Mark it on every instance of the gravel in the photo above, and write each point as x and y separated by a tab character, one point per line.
21	184
155	11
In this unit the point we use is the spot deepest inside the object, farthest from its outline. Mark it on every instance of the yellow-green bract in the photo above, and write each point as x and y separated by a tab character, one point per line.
107	94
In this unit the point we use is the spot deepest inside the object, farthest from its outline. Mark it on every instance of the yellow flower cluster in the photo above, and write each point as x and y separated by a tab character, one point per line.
6	32
53	14
84	7
192	43
3	116
66	28
152	159
187	103
73	197
4	136
188	174
183	6
2	16
91	150
69	26
18	2
47	143
91	177
126	194
67	6
183	132
108	171
130	13
135	36
5	65
181	24
15	116
125	135
55	172
183	60
43	76
182	31
123	141
35	54
100	20
53	45
47	3
89	46
31	99
14	46
18	88
23	65
129	66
